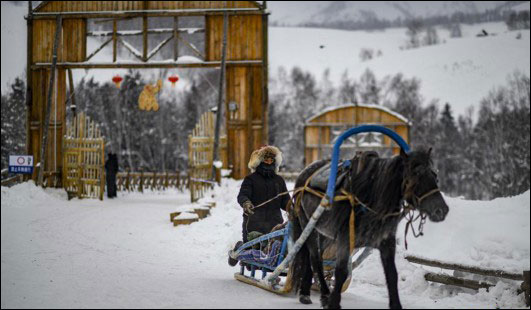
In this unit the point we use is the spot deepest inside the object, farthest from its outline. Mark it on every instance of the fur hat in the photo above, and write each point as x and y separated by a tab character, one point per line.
258	156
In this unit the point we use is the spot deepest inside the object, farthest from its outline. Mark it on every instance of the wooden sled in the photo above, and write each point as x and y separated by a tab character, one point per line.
284	286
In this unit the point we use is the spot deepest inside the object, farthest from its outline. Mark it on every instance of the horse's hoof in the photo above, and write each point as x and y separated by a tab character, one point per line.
324	301
305	299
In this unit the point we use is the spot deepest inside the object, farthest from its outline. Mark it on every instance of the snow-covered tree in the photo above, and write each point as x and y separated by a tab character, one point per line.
369	90
348	90
503	138
13	118
414	28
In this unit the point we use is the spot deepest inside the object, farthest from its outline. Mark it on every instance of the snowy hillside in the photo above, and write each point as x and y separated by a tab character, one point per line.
460	71
295	13
124	253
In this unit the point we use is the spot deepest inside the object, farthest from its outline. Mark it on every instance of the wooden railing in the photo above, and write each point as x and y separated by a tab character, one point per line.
11	180
140	181
50	178
472	284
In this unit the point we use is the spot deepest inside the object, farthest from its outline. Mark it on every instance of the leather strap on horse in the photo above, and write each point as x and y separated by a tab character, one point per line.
353	200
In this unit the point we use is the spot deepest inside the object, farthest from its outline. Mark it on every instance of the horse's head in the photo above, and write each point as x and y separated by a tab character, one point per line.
420	187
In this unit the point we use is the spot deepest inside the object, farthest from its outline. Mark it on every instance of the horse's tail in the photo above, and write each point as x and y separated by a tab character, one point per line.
301	261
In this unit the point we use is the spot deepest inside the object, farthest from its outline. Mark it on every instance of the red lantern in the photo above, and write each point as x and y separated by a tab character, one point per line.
173	79
117	80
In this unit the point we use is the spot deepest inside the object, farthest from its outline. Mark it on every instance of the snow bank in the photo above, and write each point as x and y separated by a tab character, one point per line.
488	234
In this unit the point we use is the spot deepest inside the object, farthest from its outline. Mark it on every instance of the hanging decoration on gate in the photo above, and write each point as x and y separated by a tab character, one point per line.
147	100
117	80
173	79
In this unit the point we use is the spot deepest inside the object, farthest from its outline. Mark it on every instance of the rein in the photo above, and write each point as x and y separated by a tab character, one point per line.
409	213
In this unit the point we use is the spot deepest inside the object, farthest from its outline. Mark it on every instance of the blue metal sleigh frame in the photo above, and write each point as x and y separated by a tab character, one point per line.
280	267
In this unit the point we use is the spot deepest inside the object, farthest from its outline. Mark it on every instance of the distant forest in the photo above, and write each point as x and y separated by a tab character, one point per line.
515	20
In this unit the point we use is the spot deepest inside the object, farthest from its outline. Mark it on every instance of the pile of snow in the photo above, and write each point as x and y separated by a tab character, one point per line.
487	234
126	253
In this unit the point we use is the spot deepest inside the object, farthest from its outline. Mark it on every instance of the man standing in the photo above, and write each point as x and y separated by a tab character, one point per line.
111	168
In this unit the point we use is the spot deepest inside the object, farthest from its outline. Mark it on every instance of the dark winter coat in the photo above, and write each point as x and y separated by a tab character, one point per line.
111	168
259	187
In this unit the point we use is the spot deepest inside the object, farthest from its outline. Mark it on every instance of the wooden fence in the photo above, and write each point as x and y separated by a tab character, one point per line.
11	180
200	156
471	284
83	161
140	181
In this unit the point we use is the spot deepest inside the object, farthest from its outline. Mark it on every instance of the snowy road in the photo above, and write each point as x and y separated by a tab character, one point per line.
124	253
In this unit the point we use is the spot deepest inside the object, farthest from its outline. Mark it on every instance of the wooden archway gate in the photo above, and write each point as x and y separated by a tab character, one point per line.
57	42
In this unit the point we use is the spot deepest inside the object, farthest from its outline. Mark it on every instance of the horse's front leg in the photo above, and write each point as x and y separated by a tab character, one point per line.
317	266
306	283
387	254
341	270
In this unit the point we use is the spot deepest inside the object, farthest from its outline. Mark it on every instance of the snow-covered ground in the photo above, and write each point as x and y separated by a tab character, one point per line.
124	253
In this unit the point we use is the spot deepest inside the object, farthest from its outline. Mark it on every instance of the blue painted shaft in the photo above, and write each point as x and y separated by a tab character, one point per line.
352	131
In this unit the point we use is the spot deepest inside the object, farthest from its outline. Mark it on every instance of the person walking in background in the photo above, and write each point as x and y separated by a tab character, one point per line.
111	168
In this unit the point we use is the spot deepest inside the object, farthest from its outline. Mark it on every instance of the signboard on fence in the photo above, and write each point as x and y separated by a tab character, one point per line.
21	164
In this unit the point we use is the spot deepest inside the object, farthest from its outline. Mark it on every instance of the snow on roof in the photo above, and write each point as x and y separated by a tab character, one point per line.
371	106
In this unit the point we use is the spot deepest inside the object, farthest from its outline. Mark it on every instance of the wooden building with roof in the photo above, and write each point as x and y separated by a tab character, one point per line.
321	131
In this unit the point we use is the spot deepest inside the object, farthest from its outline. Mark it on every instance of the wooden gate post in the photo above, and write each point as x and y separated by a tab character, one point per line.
128	177
141	184
58	27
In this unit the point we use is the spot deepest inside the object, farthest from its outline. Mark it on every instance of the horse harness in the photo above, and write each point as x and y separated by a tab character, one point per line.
407	211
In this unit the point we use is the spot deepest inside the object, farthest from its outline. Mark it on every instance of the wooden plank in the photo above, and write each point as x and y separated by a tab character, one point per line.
29	76
149	65
49	101
76	6
448	280
470	269
175	38
114	41
265	78
144	37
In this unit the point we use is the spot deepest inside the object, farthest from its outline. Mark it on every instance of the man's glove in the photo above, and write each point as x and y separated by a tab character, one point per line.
248	208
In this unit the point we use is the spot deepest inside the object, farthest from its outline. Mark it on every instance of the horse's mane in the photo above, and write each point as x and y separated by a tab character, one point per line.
378	184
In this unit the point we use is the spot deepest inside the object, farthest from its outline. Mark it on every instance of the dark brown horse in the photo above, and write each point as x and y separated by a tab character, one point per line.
384	186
